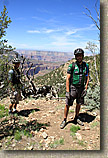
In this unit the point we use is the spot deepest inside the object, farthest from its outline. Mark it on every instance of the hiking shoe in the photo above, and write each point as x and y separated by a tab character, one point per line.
15	111
63	124
80	122
10	112
77	120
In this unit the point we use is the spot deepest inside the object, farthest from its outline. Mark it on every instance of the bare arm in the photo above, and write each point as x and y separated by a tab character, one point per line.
67	82
87	82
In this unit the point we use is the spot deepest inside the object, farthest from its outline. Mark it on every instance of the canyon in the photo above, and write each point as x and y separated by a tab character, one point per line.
44	61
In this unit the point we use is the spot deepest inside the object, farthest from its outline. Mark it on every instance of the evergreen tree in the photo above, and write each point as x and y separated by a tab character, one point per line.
4	52
4	24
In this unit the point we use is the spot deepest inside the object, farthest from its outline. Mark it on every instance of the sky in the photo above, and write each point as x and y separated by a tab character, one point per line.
50	25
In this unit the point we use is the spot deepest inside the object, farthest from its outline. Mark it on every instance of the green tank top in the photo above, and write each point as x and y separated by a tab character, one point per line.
78	73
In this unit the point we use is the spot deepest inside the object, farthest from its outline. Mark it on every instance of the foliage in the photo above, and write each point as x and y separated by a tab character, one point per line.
74	128
96	61
4	68
4	51
81	142
3	111
4	24
57	143
58	79
18	127
92	99
94	124
17	135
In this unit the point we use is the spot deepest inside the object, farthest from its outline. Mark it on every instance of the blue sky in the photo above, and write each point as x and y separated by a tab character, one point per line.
54	25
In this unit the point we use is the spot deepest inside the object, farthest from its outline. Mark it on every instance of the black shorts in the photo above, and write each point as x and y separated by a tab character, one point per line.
75	93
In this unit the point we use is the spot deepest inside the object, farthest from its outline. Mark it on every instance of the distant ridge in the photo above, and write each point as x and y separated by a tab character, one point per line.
52	56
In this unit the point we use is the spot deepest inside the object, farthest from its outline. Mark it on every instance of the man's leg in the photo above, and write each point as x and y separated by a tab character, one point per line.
10	108
77	118
77	110
14	107
66	110
17	99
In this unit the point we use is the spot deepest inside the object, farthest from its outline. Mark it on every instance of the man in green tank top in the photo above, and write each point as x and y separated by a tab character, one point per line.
76	86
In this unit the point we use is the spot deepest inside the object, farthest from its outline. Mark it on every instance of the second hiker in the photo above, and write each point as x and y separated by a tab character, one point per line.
15	86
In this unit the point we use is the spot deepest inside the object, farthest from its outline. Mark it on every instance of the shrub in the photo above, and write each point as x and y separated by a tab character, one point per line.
3	111
17	135
92	99
74	128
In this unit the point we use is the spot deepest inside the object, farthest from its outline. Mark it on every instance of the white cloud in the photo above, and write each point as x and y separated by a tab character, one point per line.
63	38
44	30
33	31
46	21
18	45
65	31
71	32
75	30
38	18
90	27
48	30
43	11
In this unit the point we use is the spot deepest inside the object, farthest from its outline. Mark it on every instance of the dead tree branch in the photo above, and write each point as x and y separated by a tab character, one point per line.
94	21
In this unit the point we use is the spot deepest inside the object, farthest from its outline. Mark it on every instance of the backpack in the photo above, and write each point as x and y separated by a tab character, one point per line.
73	67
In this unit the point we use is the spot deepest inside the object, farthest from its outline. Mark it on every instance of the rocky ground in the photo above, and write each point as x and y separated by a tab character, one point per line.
42	120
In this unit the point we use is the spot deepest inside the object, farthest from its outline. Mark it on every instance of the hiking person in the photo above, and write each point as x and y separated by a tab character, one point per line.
76	86
14	77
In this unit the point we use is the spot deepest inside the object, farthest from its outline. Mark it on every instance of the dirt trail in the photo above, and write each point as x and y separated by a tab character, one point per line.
49	114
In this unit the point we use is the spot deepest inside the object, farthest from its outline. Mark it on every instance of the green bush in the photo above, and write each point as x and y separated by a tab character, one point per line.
17	135
3	111
92	99
74	128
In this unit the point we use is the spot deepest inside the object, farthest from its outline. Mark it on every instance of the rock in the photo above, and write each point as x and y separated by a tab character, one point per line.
97	137
82	110
44	135
52	112
89	148
41	130
71	117
79	137
32	132
36	132
52	138
48	114
48	96
85	141
91	142
0	145
87	128
33	103
13	145
98	118
46	145
41	141
30	148
94	113
48	141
